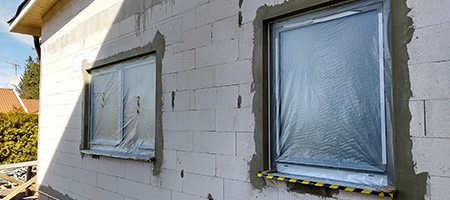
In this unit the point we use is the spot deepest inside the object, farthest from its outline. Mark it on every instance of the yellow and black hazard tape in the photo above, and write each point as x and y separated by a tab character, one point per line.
103	100
138	99
326	185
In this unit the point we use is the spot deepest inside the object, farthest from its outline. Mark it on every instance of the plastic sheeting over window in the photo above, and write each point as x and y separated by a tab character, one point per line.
122	109
330	91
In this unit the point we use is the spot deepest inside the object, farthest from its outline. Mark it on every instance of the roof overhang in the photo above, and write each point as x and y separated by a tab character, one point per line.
28	19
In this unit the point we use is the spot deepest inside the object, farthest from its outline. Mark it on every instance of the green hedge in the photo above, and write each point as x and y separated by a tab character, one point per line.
18	137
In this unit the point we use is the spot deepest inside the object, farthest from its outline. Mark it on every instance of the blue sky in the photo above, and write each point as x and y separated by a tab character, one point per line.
14	47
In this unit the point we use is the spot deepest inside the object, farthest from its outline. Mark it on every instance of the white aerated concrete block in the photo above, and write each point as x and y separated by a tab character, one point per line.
205	98
107	182
169	82
196	120
197	37
172	63
216	10
430	80
428	154
144	169
169	120
217	53
245	47
189	60
182	100
222	97
199	163
203	186
92	192
169	159
171	179
417	124
245	144
189	20
232	167
234	73
227	97
196	78
151	192
243	191
437	118
427	46
178	140
225	29
184	196
426	13
438	187
235	120
181	6
215	142
130	188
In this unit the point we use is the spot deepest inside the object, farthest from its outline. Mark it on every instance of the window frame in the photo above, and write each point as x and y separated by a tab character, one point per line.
143	153
382	7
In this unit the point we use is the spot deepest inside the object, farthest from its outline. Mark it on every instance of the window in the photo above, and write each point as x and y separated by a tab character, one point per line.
330	95
122	109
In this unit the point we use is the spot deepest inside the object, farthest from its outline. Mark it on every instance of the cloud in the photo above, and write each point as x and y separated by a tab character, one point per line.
7	11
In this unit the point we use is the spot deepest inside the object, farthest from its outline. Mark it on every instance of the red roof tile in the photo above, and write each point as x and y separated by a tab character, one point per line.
8	100
32	105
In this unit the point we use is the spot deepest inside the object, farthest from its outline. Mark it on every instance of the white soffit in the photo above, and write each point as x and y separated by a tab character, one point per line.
29	20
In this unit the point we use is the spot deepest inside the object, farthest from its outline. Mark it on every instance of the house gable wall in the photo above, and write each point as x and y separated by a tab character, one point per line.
211	89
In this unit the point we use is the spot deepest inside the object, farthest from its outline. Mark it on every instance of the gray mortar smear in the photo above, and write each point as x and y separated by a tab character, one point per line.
409	184
49	190
156	47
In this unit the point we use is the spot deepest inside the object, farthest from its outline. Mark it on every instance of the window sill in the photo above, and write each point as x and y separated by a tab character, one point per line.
319	183
98	153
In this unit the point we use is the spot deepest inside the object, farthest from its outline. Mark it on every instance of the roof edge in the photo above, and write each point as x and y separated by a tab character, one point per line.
19	9
14	23
21	102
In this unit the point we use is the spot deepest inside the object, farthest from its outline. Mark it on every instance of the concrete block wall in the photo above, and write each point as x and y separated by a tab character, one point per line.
429	68
207	117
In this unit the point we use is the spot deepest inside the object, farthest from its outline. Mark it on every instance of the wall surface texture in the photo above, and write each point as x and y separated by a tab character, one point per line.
429	69
209	92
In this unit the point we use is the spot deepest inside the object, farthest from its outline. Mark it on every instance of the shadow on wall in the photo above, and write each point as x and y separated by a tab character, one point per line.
64	172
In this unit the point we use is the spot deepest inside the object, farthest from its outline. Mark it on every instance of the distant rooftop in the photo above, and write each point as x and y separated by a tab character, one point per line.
32	105
10	100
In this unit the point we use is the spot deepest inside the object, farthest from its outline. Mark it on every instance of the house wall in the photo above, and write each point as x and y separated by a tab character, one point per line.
429	71
211	94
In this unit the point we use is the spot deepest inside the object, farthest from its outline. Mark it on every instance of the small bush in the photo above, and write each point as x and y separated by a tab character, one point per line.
18	137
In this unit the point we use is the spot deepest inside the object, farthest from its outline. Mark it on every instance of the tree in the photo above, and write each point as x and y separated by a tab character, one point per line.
29	84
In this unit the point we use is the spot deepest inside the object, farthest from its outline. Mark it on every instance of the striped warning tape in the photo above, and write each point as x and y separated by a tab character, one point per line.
138	104
103	100
326	185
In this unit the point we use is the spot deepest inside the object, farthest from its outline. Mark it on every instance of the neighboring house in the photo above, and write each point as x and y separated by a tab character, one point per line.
225	99
32	105
10	100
